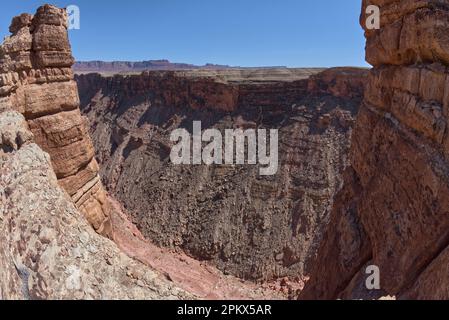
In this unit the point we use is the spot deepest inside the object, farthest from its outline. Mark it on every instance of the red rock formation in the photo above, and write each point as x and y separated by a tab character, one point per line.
36	80
392	211
340	82
47	248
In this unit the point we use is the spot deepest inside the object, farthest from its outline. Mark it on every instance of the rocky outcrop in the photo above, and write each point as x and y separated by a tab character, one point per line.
130	66
249	226
47	249
36	80
392	211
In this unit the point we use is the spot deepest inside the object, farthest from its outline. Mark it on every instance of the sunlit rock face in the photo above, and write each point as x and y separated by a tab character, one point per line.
392	211
247	225
36	80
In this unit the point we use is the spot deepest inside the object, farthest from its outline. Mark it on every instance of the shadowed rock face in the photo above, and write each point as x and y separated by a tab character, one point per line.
392	211
36	80
250	226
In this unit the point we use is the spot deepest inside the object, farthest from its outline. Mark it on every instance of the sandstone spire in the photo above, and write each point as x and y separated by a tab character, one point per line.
36	80
47	249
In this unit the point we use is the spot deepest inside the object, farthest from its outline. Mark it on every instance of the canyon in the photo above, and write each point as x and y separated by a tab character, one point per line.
91	207
254	227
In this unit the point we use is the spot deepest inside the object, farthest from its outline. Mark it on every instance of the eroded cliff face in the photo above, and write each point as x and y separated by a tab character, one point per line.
251	226
47	248
392	211
36	80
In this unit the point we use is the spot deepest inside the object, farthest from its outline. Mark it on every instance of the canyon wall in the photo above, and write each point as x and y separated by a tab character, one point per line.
48	249
392	211
247	225
36	80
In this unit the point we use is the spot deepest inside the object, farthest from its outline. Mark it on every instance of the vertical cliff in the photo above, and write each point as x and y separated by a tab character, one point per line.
47	248
393	209
36	80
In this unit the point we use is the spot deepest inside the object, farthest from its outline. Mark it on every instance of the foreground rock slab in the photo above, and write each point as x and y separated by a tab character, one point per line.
47	249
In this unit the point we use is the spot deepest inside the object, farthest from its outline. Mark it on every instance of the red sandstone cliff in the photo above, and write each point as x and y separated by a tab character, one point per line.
392	211
48	250
36	80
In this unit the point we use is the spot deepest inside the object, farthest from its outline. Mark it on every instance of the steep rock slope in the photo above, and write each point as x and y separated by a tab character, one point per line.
250	226
47	248
129	66
36	80
392	211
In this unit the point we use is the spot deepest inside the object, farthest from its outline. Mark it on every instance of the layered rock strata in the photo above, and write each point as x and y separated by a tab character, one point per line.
47	249
250	226
36	80
392	211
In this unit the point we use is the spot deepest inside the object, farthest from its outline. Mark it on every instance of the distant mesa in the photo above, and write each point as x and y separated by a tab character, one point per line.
128	66
221	73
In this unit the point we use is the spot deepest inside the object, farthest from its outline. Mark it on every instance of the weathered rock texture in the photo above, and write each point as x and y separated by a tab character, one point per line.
393	209
250	226
36	80
47	249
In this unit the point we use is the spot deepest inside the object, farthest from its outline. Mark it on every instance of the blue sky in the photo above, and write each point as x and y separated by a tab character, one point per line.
294	33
